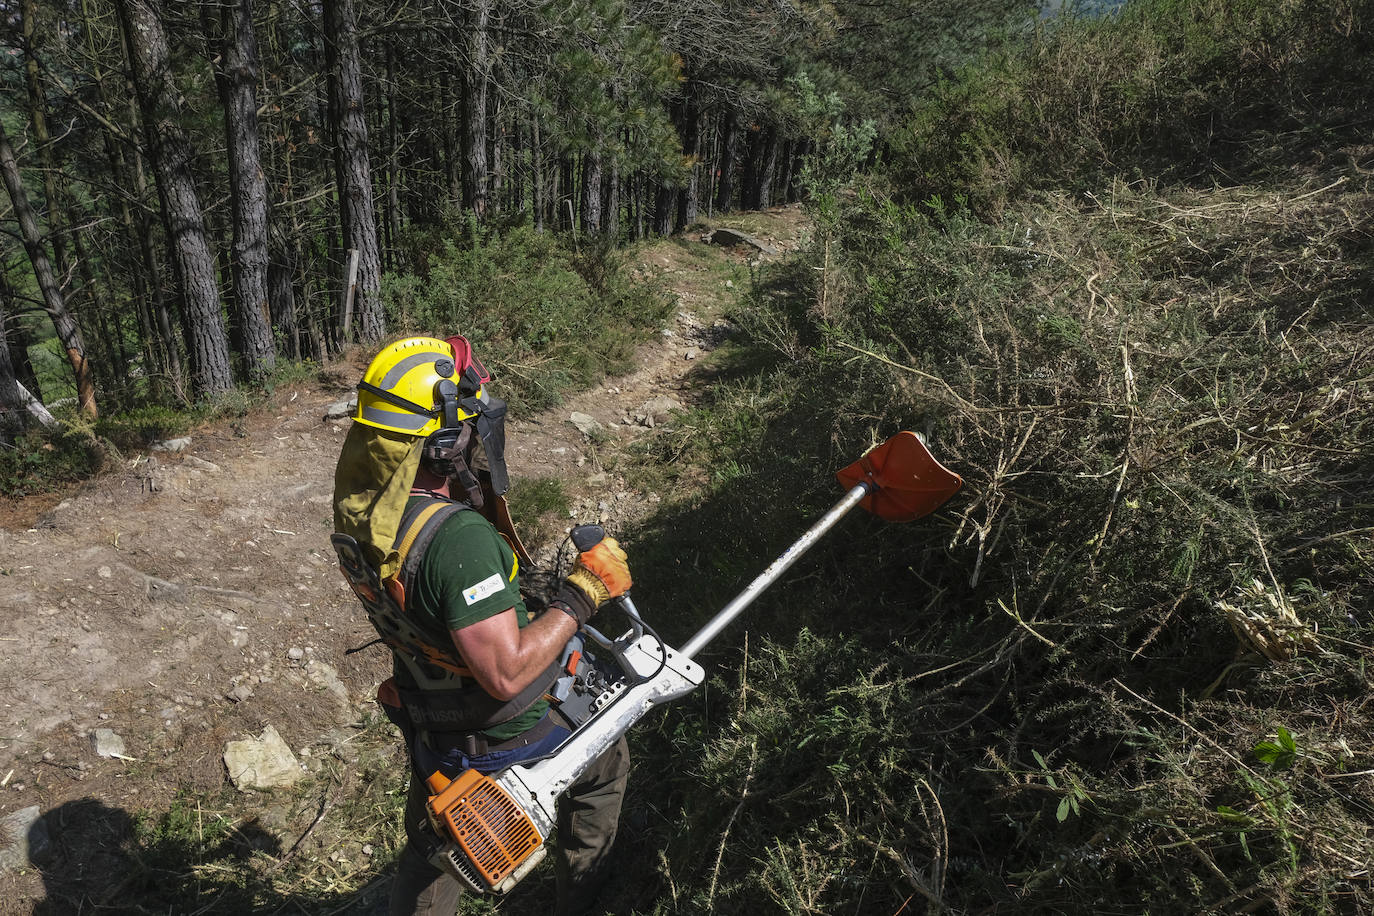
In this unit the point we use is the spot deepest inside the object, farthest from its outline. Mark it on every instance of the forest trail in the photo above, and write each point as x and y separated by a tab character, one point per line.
188	599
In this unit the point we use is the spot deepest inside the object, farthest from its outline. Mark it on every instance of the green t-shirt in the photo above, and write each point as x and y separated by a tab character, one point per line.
469	573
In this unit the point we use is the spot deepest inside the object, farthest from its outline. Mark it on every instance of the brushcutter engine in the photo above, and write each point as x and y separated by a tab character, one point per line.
495	826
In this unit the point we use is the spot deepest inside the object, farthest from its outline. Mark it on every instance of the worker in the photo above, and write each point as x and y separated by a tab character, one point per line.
421	480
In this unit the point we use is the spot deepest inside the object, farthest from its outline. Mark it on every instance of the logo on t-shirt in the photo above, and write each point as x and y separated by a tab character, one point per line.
484	589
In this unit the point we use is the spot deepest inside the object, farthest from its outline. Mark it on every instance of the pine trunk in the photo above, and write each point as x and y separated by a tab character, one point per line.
238	78
610	213
281	268
170	151
16	402
356	213
768	163
729	156
43	139
68	332
689	129
168	343
591	193
453	143
564	196
476	179
665	210
19	344
392	222
537	174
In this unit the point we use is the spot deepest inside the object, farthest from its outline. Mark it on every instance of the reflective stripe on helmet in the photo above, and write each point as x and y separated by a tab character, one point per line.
405	422
398	371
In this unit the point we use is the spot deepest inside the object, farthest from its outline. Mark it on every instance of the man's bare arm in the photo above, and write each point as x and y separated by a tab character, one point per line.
505	658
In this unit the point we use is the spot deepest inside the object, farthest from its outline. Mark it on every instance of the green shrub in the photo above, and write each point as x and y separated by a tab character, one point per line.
39	462
1199	91
140	427
1049	696
544	317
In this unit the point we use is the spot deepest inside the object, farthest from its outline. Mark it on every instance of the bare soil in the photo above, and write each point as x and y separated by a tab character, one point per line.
140	602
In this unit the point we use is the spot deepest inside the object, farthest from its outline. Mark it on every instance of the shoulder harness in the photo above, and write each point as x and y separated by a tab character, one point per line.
445	697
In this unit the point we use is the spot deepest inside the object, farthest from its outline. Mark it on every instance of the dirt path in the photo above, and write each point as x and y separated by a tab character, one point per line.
192	598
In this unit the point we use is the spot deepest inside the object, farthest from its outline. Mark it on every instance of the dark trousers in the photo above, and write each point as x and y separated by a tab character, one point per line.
587	819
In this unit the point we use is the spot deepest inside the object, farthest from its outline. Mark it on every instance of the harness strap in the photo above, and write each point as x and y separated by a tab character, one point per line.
436	701
419	525
468	709
414	527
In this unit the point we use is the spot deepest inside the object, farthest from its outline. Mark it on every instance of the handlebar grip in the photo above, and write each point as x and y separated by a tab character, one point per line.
585	537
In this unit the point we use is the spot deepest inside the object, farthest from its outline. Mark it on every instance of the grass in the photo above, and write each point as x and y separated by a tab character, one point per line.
1064	692
541	504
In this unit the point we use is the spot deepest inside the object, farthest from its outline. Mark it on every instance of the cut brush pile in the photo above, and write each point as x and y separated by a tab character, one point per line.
1131	670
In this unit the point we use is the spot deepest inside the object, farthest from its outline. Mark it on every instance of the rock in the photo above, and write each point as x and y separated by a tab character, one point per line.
162	590
599	479
323	676
23	839
172	445
690	354
264	762
240	693
104	572
729	284
106	743
340	410
586	424
295	653
658	409
732	237
200	464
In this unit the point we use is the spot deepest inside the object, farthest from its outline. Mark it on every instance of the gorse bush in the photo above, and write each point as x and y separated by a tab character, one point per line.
38	462
1193	90
1115	674
548	317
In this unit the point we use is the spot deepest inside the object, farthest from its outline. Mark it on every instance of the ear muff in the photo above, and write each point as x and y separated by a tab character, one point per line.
446	399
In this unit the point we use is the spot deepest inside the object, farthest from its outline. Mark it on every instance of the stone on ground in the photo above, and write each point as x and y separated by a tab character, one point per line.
264	762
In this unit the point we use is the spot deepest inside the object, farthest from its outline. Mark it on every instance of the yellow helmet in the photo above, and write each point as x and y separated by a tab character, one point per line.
412	384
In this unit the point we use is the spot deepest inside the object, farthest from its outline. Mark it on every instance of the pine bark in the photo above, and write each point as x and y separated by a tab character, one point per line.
591	193
237	77
17	404
729	158
537	174
610	214
768	163
475	177
392	220
356	213
665	209
42	137
12	413
170	151
281	268
68	332
689	130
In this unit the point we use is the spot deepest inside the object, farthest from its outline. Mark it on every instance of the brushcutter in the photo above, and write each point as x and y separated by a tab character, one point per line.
494	826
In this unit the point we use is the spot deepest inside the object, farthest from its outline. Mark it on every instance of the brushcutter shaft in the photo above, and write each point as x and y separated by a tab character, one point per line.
775	570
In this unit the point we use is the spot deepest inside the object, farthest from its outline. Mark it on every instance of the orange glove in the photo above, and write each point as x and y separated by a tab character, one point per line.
598	576
602	572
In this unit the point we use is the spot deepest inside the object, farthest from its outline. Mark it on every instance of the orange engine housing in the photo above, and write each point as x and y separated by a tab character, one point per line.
487	824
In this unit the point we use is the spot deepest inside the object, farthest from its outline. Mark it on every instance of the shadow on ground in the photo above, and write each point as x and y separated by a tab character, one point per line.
105	859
